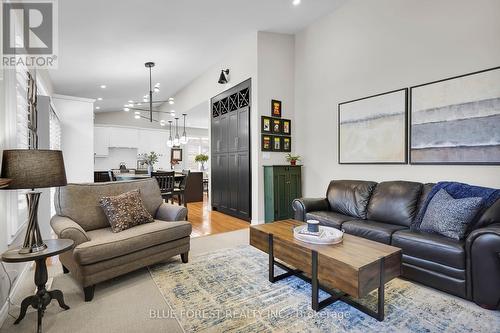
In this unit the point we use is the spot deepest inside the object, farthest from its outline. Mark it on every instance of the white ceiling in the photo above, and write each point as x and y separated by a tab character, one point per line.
107	42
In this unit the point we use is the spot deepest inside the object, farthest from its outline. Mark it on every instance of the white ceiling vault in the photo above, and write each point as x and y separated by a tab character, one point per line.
108	42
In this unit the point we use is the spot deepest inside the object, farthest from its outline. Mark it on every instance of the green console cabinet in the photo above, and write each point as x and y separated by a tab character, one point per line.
282	184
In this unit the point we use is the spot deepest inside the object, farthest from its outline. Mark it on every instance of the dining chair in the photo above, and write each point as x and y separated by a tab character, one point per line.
179	192
101	176
165	181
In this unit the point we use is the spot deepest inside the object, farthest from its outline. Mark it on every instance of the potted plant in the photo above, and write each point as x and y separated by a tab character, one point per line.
150	159
292	159
201	158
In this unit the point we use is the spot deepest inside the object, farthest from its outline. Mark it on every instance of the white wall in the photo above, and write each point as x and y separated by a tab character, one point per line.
369	47
77	136
276	61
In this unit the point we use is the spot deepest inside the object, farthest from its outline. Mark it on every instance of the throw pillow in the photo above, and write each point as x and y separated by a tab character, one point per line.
448	216
125	211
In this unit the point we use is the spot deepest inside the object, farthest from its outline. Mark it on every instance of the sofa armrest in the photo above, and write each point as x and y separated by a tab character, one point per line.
304	205
483	265
169	212
64	227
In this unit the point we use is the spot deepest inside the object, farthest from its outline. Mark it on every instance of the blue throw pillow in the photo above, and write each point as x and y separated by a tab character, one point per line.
448	216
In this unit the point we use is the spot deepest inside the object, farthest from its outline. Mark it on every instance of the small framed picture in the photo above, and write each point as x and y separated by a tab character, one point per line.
276	126
287	144
176	154
286	126
266	124
277	143
266	142
276	108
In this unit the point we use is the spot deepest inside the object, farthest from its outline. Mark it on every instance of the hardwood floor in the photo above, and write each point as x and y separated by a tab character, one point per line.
207	222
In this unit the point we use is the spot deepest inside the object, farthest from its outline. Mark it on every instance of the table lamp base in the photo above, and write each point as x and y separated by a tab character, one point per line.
33	241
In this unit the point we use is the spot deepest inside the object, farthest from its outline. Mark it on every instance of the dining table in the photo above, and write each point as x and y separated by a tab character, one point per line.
194	185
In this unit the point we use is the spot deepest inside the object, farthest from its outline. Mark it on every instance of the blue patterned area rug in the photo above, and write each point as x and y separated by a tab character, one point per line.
228	291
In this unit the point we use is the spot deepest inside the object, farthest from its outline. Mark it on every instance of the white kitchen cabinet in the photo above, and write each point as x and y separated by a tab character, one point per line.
101	141
123	137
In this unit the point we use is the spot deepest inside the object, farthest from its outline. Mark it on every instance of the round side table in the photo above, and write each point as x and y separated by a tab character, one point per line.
43	297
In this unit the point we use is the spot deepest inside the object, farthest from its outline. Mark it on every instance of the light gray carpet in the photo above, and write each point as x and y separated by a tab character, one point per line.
123	304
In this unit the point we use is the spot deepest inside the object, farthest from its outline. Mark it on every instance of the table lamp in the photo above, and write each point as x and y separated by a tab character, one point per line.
33	169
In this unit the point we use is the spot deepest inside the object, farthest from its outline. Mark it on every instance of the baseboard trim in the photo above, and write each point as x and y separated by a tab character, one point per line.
4	311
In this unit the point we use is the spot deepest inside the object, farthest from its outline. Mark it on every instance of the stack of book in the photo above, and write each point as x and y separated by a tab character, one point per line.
304	231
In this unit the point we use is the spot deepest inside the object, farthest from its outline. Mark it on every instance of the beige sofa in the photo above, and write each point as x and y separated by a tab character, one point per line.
99	254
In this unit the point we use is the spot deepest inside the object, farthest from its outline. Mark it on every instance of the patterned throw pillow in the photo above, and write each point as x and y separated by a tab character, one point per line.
448	216
125	211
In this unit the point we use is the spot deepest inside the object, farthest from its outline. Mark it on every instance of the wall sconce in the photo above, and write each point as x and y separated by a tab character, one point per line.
223	76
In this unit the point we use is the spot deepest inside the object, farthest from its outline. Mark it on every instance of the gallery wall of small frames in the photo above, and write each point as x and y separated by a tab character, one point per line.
275	131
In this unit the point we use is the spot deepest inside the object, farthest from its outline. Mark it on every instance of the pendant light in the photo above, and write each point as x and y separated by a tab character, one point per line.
176	138
184	138
170	142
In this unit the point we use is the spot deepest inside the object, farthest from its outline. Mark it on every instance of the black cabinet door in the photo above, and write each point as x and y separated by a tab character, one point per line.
243	140
232	181
244	185
223	183
233	131
222	144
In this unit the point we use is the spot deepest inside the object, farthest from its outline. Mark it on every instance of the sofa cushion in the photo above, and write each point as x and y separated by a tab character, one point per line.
328	218
432	247
394	202
80	202
105	244
350	197
448	216
377	231
125	211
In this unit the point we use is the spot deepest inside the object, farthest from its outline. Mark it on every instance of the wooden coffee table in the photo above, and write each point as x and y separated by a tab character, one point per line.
356	266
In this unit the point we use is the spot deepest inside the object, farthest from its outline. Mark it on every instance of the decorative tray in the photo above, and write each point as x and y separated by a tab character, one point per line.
326	235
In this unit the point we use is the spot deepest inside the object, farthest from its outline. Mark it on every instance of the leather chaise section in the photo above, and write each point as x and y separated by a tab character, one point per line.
377	231
432	247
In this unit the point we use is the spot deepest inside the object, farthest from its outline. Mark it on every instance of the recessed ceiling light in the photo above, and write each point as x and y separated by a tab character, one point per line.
99	98
171	101
131	101
139	104
126	109
137	116
103	86
97	107
137	112
296	2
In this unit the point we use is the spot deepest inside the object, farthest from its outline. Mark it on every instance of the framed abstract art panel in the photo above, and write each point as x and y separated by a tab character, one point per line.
456	120
373	130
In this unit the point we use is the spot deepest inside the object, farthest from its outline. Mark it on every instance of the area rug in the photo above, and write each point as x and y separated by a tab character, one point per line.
228	291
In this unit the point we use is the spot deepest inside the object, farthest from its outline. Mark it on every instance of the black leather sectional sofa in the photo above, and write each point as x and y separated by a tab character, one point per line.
383	212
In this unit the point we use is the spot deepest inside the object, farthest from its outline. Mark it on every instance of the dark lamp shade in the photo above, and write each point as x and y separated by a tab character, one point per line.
33	168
